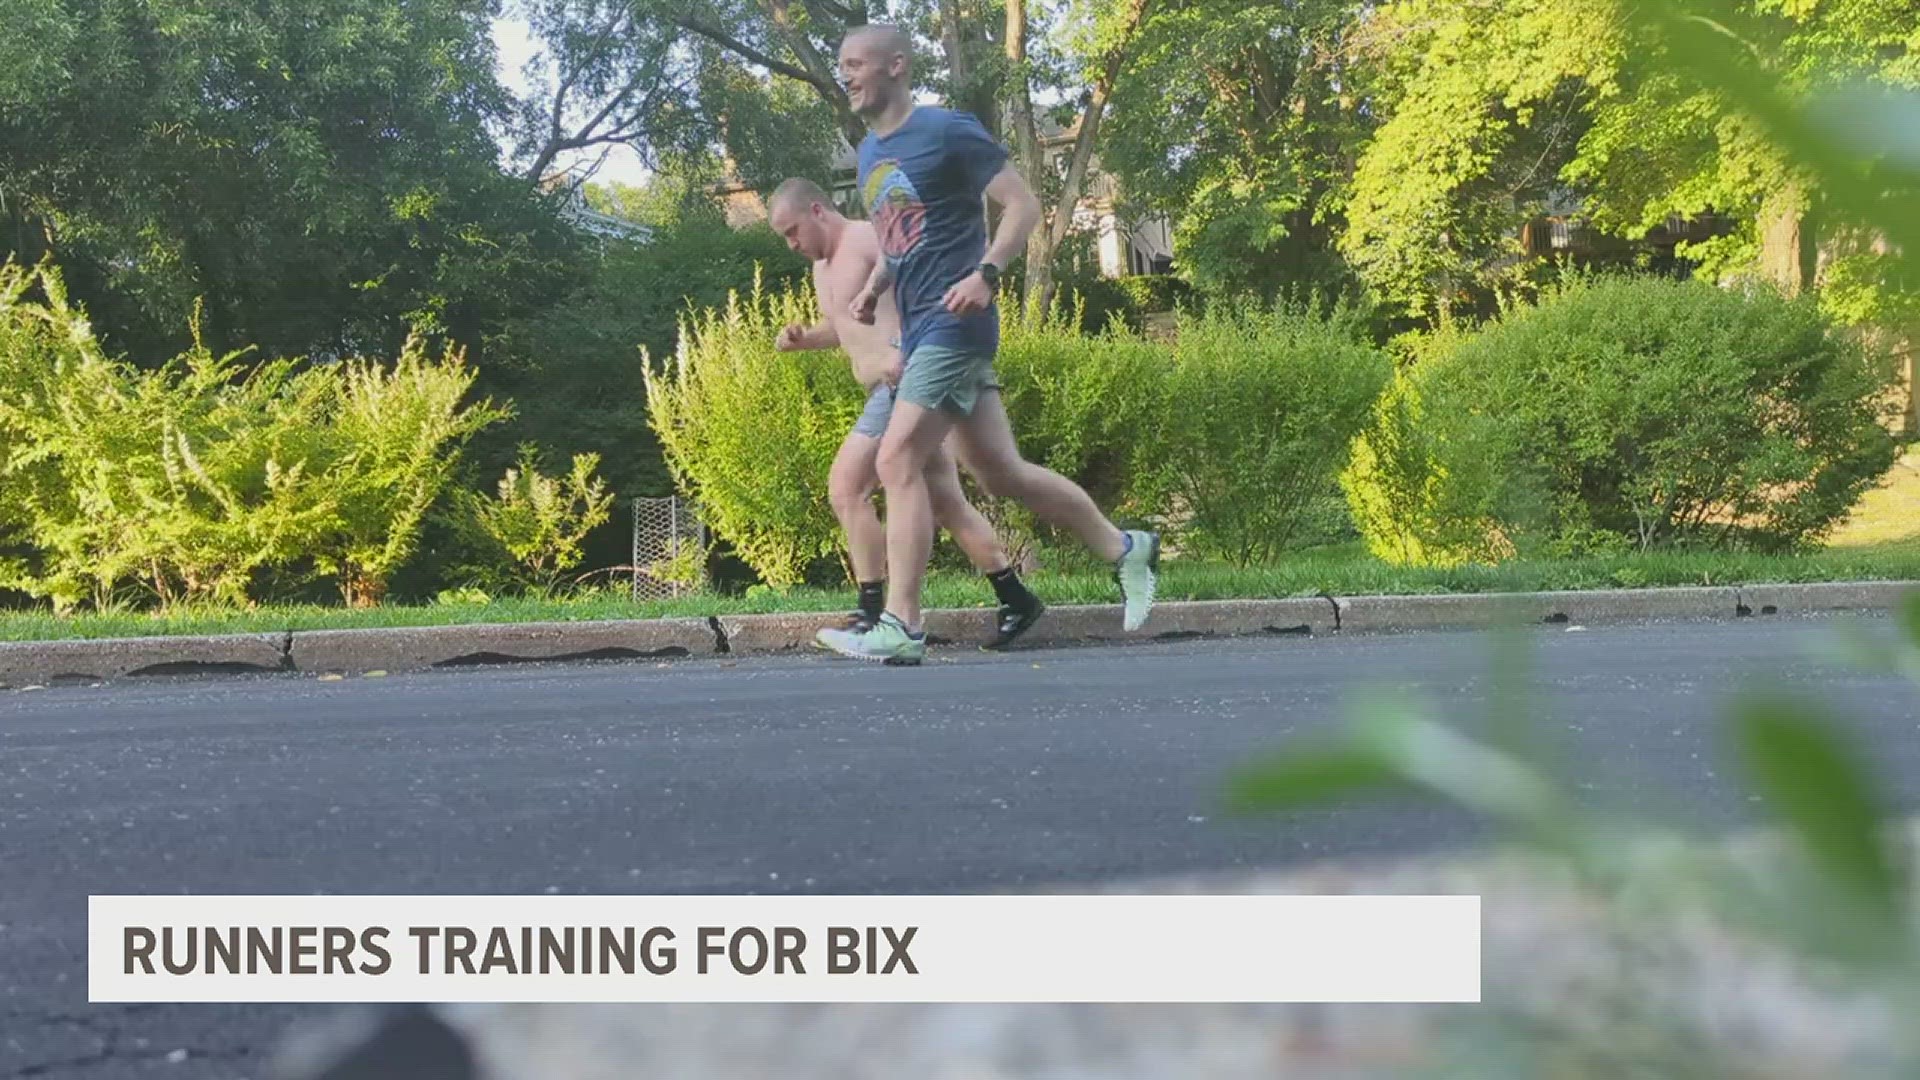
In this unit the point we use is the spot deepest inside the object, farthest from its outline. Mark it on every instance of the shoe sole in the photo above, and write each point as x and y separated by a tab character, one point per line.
1153	567
885	661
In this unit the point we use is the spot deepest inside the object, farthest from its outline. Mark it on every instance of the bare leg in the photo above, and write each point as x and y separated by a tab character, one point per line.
913	437
969	527
850	487
986	444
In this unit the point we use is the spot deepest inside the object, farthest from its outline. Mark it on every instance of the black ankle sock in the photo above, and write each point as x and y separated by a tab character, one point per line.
873	599
1010	590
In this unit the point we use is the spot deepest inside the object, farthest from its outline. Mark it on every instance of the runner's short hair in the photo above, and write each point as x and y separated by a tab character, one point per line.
799	190
885	37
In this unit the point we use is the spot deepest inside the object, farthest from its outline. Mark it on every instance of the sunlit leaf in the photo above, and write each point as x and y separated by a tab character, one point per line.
1822	792
1309	777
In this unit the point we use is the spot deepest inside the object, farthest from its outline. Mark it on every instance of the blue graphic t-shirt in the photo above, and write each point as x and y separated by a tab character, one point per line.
922	186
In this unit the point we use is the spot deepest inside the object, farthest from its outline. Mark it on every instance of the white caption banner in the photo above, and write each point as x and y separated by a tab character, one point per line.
1190	949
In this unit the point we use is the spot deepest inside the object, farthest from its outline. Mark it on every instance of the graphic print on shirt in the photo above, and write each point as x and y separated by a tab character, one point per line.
894	205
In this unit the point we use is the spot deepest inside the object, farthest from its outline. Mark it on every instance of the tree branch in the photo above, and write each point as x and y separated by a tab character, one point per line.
613	103
1089	132
828	86
1042	250
829	11
752	55
556	143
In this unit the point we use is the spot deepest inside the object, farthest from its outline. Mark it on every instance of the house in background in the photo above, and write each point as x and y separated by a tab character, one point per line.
1124	249
575	211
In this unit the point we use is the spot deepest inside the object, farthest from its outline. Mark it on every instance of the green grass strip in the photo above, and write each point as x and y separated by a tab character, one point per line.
1340	571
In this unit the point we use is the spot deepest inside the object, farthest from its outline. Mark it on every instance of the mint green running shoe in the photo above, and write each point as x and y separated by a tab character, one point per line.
887	642
1138	574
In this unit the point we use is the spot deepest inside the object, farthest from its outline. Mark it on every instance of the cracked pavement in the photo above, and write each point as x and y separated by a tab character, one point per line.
793	774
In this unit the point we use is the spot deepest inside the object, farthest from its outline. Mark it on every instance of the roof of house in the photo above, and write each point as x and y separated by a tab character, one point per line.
574	209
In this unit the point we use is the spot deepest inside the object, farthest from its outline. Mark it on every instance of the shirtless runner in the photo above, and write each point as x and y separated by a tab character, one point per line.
843	253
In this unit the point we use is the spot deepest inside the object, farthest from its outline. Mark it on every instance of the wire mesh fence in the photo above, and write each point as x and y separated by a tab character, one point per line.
669	548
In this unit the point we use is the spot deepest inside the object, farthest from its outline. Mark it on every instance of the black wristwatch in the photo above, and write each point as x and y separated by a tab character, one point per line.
990	274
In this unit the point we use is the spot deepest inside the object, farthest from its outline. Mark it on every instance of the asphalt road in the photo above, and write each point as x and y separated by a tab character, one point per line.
796	774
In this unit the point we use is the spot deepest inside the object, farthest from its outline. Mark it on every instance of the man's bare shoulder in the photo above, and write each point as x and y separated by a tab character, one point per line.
862	234
858	244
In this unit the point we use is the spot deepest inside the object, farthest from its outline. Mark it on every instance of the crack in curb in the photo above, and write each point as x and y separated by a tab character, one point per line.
1742	610
1335	604
286	653
721	646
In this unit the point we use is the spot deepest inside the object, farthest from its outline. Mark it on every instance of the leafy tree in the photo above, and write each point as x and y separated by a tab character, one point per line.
574	371
758	83
1491	106
1239	121
320	173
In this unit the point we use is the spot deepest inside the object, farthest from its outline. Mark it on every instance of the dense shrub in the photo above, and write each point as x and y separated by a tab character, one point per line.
1097	303
573	371
1079	403
1624	412
750	433
534	523
191	480
1255	419
393	436
1150	293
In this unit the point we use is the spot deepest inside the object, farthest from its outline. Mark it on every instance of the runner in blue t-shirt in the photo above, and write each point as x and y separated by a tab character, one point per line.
923	175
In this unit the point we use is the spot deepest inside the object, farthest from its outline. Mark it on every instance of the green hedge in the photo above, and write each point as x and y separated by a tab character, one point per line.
1256	416
1231	440
206	480
751	433
1624	413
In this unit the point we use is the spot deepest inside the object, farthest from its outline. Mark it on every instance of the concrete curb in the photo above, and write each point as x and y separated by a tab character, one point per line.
415	648
1825	597
407	648
47	662
1064	625
1367	614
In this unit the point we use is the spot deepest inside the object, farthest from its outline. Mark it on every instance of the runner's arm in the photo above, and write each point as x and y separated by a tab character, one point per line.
820	335
881	279
1021	213
878	281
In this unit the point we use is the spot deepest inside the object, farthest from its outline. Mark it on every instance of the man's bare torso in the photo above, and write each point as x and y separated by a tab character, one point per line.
838	279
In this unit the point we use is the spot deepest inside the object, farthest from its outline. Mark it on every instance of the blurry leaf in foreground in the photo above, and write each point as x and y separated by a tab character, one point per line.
1813	780
1485	780
1705	35
1307	777
1873	122
1857	643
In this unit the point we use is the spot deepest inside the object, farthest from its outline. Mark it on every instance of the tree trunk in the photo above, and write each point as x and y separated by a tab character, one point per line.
1910	421
1025	136
1789	254
1040	258
953	43
361	588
